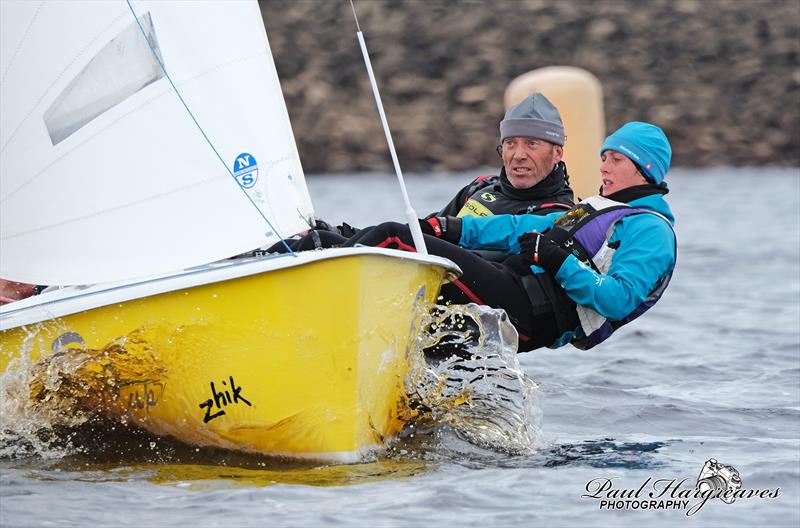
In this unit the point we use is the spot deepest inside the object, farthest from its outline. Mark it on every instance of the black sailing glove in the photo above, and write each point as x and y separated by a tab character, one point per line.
539	250
322	225
447	228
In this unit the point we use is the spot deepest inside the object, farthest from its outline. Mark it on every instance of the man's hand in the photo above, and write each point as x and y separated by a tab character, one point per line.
537	249
322	225
447	228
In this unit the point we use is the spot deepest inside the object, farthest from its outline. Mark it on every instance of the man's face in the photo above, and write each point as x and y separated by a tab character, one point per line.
618	172
528	160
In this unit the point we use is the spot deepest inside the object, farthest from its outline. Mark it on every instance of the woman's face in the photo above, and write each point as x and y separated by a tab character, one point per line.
618	172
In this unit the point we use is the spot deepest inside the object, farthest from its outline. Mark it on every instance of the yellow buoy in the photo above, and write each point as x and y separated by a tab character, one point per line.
579	98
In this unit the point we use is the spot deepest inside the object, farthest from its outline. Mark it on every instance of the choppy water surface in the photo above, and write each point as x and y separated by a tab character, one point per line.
713	371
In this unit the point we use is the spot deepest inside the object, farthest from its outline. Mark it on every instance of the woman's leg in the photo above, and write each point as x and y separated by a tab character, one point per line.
482	282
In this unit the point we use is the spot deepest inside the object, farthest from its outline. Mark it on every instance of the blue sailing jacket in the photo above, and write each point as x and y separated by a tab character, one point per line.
645	256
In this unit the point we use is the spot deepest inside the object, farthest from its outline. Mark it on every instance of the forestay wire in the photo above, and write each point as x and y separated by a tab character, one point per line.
411	215
197	124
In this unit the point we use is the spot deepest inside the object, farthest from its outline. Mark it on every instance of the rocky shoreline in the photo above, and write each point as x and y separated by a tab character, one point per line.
722	77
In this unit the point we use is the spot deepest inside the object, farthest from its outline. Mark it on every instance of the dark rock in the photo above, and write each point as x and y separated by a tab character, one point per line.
722	77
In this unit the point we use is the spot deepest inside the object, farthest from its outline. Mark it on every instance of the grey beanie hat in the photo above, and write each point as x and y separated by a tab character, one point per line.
534	117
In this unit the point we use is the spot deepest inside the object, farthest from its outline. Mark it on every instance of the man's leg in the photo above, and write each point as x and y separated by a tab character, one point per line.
482	282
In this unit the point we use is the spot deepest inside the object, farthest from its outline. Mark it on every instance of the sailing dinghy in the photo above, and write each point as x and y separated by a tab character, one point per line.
142	143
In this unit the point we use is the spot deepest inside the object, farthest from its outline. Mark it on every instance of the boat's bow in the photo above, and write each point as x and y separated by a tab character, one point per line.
303	356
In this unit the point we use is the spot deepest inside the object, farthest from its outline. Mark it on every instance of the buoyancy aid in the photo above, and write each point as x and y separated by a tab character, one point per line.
494	195
586	231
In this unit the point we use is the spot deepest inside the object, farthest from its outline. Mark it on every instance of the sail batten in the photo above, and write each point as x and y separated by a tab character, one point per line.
131	187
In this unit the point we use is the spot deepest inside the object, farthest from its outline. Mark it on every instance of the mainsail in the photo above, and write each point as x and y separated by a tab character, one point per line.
108	172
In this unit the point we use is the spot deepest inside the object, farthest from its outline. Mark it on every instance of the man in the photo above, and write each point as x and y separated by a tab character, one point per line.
533	179
571	277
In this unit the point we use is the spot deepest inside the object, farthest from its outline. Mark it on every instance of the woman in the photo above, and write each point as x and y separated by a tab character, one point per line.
574	276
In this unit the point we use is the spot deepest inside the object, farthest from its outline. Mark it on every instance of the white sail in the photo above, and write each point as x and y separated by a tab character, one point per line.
105	173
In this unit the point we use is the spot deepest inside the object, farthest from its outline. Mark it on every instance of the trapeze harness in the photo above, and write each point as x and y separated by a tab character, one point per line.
493	195
585	232
486	198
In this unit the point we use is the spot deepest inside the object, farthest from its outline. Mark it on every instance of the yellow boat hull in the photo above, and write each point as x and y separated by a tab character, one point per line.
306	361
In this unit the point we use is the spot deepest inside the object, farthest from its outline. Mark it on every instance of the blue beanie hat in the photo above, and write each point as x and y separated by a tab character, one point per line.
646	145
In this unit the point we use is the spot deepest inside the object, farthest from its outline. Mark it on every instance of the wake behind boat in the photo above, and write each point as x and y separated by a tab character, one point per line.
154	137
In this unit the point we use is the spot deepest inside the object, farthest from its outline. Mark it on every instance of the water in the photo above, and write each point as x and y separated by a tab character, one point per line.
478	390
712	371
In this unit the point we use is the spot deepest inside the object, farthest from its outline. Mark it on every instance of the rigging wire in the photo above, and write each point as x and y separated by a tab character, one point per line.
411	215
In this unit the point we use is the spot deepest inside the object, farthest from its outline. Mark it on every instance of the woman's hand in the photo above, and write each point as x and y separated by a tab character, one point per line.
537	249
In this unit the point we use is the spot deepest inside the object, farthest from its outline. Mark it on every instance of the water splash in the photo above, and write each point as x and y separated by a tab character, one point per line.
472	381
28	429
43	402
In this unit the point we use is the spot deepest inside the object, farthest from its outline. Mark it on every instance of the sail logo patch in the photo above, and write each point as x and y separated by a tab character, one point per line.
245	170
